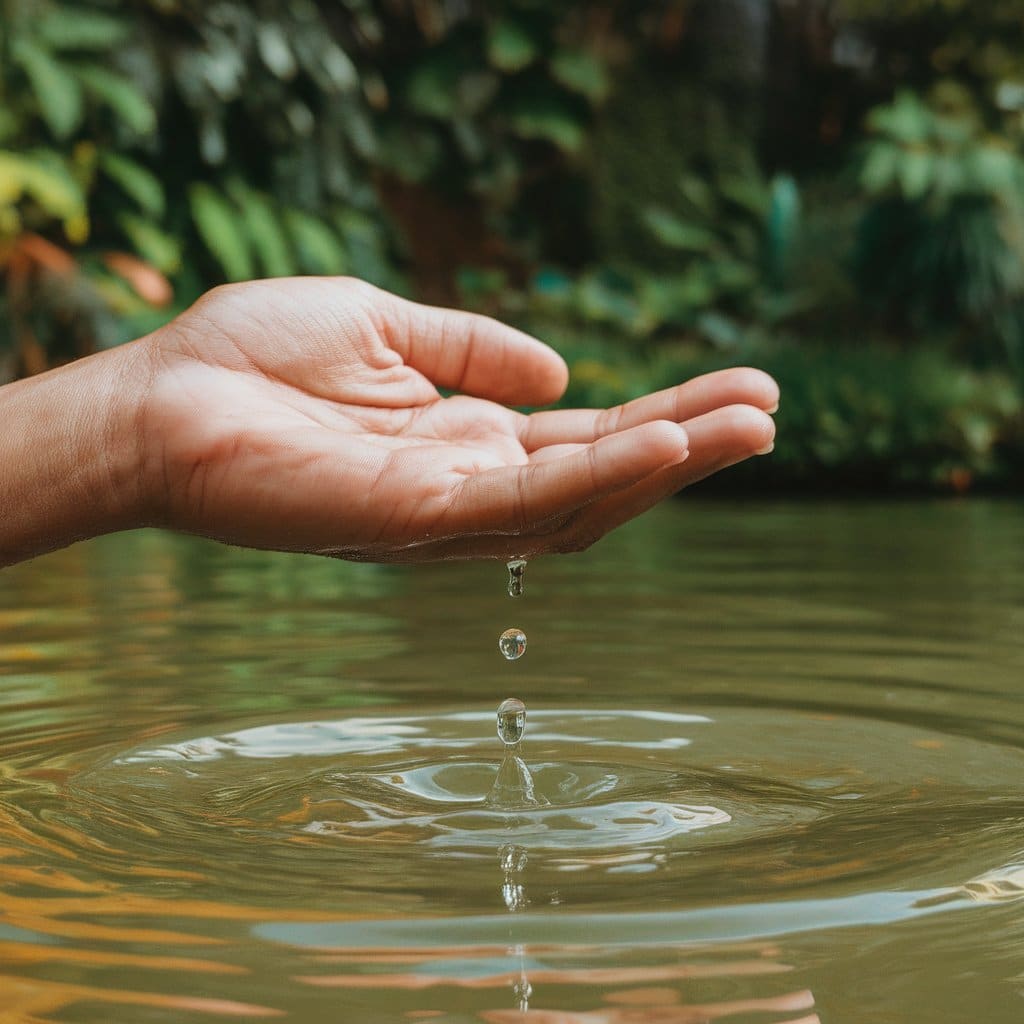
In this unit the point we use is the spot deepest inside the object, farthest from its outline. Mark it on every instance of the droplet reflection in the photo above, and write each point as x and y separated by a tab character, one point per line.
516	572
511	721
512	643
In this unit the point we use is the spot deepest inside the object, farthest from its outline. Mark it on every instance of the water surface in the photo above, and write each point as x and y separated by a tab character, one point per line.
776	749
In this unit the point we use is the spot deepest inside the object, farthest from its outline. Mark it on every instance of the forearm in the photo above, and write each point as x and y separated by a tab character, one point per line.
70	455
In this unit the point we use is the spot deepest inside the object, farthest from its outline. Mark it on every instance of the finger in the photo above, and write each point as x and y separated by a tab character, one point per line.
474	354
717	440
737	386
520	500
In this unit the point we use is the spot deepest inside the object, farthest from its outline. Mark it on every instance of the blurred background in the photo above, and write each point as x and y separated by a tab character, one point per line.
830	189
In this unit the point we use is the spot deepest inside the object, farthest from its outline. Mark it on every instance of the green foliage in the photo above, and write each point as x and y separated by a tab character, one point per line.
942	239
733	238
867	417
578	163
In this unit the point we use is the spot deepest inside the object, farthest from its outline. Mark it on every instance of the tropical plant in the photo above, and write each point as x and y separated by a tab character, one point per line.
70	129
733	237
942	240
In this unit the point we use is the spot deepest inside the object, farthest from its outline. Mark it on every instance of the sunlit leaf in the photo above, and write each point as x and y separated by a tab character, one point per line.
222	231
907	119
45	179
698	193
880	167
318	248
56	90
915	173
78	28
120	95
269	242
748	193
677	234
546	118
152	243
582	72
137	181
274	50
722	331
509	46
995	169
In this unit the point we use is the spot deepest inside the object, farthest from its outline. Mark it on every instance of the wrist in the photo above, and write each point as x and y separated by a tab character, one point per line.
71	462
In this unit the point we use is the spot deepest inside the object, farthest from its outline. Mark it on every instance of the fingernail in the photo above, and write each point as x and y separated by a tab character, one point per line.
773	409
767	450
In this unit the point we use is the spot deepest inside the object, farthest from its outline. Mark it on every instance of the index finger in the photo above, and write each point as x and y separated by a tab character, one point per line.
737	386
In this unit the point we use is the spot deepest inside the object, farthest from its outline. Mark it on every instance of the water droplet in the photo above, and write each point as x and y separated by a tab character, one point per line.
511	720
522	990
513	859
512	643
516	572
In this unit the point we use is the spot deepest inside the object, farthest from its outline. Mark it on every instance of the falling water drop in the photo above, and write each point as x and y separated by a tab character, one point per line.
516	572
511	721
512	643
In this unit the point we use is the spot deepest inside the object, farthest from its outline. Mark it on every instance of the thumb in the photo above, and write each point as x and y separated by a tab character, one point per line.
475	354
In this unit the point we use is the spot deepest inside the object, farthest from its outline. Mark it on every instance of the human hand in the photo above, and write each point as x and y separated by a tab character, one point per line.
303	414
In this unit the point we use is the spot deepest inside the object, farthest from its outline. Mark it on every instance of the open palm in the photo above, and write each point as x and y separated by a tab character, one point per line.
304	414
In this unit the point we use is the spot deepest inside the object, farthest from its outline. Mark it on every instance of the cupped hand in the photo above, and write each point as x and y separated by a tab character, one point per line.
304	414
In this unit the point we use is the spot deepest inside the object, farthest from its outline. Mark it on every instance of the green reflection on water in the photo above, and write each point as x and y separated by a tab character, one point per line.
851	673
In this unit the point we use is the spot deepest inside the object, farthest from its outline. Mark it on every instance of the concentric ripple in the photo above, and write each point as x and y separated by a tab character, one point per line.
635	792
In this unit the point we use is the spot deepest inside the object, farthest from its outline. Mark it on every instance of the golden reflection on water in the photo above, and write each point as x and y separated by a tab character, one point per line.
866	704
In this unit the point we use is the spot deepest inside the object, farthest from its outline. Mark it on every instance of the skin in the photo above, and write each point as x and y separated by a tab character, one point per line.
304	415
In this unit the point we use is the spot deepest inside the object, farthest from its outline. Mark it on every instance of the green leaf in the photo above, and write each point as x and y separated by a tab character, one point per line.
365	244
137	181
222	232
995	170
880	167
510	47
698	193
269	242
915	173
907	119
56	90
275	51
602	299
546	118
10	124
412	152
63	28
121	96
46	179
671	231
722	331
746	193
318	248
581	72
152	243
432	85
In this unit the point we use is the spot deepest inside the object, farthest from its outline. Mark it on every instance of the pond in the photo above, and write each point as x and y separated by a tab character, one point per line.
772	772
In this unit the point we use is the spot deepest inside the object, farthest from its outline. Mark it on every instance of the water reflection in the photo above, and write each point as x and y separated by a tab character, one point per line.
238	785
